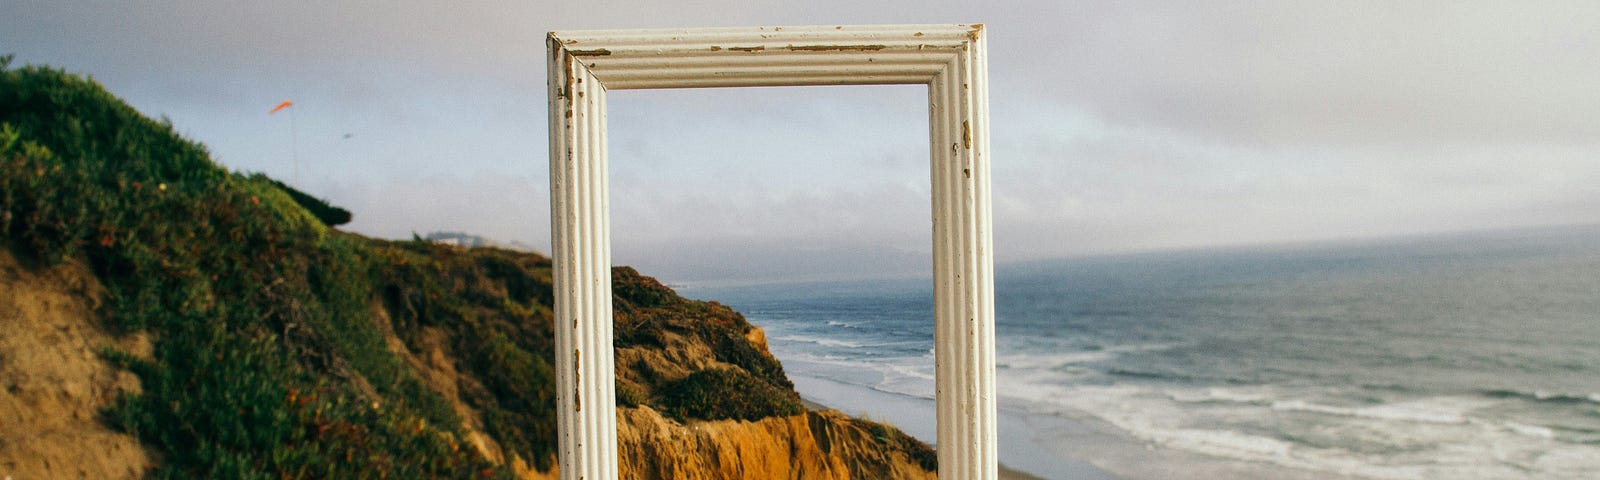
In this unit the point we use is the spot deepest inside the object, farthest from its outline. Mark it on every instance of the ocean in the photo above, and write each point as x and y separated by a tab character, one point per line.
1465	356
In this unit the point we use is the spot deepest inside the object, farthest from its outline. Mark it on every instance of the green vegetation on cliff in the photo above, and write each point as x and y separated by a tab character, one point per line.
257	310
283	348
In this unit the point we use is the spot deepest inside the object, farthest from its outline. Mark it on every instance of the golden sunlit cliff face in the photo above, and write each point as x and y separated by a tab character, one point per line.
812	445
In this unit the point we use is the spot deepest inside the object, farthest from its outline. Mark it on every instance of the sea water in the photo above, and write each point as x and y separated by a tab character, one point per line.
1471	356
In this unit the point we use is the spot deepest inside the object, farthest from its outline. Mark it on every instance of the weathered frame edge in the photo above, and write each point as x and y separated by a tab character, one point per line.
950	59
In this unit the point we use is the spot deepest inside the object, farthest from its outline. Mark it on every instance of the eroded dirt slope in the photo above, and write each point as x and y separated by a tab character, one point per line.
53	381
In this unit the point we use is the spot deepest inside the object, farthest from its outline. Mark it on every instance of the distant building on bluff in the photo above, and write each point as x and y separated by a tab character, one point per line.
459	239
467	240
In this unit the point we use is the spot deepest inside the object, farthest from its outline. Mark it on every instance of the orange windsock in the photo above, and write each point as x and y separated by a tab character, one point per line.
281	106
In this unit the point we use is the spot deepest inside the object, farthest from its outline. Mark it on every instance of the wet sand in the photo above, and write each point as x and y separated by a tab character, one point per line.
1022	456
1049	447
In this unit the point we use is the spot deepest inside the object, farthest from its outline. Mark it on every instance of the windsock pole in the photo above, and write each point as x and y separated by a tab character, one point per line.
294	148
294	137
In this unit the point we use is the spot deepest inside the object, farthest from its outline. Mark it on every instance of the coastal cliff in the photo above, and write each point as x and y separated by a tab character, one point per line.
162	317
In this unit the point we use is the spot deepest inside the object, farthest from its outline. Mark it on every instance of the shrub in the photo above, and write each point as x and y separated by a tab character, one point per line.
632	290
522	406
328	214
715	394
894	439
628	395
491	308
733	348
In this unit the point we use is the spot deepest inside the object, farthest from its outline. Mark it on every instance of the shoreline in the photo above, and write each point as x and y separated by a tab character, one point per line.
1042	446
1006	473
1026	456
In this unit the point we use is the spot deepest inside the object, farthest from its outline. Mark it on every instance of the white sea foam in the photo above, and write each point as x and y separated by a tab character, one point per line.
1253	395
1034	394
1449	410
824	341
1430	437
1556	396
1444	410
1546	396
909	376
1423	438
1057	360
1226	443
1436	437
1534	431
1051	360
924	372
829	362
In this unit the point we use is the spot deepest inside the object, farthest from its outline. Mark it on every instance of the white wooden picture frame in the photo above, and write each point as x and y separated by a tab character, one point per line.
949	59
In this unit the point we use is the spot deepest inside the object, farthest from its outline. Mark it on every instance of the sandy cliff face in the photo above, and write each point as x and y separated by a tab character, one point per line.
53	381
823	445
812	445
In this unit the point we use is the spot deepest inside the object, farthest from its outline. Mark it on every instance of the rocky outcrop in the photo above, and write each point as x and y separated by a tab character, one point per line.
662	339
812	445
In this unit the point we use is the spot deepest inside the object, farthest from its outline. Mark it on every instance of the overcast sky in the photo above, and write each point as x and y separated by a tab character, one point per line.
1117	126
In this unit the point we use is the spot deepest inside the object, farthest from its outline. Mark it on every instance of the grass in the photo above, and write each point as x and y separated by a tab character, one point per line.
892	438
717	394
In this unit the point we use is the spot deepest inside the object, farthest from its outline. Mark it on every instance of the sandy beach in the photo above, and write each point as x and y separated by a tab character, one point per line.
1006	473
1022	456
1048	447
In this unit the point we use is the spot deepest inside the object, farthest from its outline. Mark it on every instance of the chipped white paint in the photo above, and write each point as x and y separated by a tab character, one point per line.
949	59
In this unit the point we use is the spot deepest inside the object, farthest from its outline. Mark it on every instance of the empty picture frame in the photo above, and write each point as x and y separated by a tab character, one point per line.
949	59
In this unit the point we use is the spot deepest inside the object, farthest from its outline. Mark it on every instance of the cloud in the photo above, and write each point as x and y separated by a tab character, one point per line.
1117	125
1119	189
1329	72
1275	72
